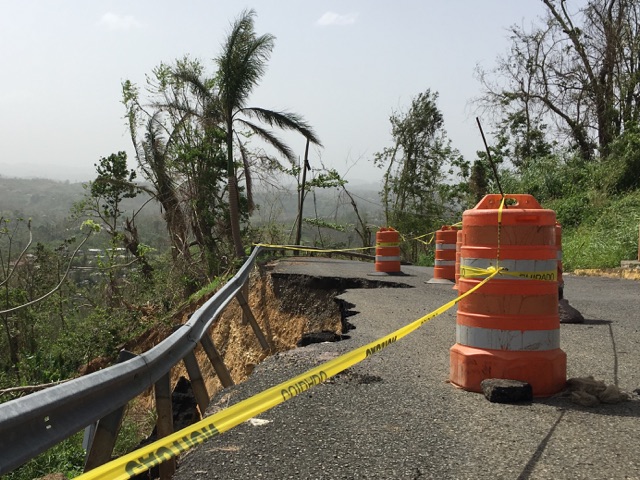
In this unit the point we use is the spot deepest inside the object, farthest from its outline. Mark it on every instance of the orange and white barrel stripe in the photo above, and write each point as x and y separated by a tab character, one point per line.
445	257
387	250
542	328
510	327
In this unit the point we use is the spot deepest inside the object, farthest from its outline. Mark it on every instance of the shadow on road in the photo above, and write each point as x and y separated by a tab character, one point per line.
535	458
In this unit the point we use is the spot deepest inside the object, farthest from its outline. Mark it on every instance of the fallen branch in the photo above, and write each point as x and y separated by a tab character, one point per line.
26	389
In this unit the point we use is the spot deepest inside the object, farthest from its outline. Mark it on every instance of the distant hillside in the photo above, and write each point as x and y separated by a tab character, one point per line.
37	198
325	203
48	204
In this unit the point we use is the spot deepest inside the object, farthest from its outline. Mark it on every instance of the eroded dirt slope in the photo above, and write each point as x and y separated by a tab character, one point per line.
284	307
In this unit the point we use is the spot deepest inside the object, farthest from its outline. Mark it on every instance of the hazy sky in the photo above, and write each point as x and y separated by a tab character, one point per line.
344	65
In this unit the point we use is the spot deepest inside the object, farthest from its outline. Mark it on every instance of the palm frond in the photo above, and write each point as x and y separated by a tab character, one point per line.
269	137
284	120
155	151
203	89
192	80
243	61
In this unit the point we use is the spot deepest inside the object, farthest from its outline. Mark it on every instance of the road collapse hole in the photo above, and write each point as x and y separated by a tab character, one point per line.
316	298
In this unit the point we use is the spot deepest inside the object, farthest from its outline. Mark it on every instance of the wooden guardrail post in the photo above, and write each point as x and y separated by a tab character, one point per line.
244	291
197	383
164	424
101	446
216	360
242	300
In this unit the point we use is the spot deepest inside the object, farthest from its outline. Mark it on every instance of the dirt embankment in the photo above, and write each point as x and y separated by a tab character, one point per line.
284	307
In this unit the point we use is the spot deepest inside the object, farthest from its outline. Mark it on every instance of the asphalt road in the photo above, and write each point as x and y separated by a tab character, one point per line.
395	416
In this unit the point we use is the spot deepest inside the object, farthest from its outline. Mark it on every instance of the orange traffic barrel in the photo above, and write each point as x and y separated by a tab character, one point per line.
445	261
458	255
387	251
510	327
559	256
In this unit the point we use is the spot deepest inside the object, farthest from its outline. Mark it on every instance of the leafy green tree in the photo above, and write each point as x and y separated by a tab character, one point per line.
114	183
415	194
478	182
195	150
193	105
241	65
155	158
34	293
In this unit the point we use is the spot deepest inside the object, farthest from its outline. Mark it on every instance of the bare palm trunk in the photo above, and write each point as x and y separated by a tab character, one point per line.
234	216
234	203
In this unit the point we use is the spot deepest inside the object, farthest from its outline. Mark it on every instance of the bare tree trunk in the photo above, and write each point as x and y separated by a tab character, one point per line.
364	233
234	216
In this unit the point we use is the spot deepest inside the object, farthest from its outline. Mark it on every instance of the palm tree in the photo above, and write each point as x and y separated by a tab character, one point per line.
240	68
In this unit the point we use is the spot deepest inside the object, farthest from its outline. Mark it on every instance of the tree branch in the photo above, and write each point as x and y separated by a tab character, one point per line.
56	288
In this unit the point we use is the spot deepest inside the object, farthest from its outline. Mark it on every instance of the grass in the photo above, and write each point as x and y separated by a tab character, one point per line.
66	458
207	289
610	237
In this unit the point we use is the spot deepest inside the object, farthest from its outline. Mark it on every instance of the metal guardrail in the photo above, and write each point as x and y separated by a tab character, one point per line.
33	424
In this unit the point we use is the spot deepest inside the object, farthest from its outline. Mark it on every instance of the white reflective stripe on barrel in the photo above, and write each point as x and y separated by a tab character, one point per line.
512	266
559	255
380	258
444	263
518	340
445	246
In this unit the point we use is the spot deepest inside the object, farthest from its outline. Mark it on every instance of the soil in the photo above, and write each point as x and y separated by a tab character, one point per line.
626	273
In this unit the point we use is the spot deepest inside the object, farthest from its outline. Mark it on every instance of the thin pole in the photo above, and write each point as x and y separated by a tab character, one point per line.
305	167
493	166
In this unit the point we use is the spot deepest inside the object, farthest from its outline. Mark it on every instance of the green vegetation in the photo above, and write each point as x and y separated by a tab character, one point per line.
67	458
567	102
420	192
609	234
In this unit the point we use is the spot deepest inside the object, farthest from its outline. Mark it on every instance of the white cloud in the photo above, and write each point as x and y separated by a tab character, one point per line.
112	21
332	18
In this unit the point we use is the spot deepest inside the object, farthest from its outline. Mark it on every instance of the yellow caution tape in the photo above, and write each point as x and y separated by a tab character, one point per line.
419	238
428	242
423	235
314	250
432	235
172	445
500	209
499	228
475	272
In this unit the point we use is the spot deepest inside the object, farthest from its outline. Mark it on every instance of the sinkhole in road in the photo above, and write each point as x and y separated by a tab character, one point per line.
317	299
292	310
